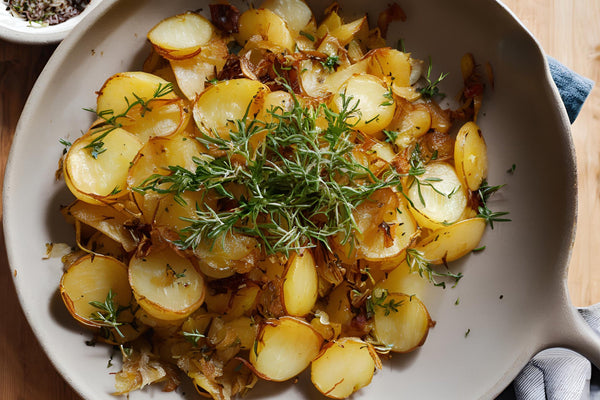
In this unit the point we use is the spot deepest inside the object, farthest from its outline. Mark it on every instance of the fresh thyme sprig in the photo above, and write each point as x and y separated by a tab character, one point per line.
378	300
111	120
301	182
108	313
483	193
331	63
193	337
431	88
418	263
417	169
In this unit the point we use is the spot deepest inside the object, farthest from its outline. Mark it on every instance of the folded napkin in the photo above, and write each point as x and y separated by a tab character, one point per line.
561	374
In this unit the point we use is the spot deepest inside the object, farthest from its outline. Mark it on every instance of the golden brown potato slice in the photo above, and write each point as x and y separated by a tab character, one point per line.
370	97
166	285
346	32
388	63
402	280
162	118
300	284
345	366
437	196
385	229
122	89
283	348
96	165
470	156
225	102
294	12
89	280
227	255
401	321
267	24
181	36
452	242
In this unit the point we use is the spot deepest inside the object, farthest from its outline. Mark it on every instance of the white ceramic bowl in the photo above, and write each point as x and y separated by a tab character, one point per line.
18	30
513	297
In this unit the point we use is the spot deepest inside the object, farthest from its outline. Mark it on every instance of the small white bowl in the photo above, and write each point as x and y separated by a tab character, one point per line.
15	29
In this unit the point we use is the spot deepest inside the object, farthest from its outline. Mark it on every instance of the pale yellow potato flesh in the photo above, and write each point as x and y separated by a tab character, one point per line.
166	285
267	24
440	197
181	36
90	279
470	156
120	90
284	347
300	284
402	280
452	242
390	63
105	175
345	366
294	12
367	94
406	328
224	102
163	118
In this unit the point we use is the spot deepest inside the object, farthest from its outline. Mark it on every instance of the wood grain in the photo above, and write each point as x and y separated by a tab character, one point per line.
568	30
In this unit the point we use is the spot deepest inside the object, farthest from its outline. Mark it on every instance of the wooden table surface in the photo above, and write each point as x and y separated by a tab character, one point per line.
567	30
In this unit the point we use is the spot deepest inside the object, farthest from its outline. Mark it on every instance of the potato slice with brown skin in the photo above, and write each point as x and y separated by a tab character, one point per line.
267	24
181	36
401	322
283	348
166	285
437	196
95	167
343	367
300	284
90	279
470	156
452	242
370	96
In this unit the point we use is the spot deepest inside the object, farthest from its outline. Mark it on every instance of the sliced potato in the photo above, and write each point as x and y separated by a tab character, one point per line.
105	219
437	196
346	32
90	279
122	89
300	284
452	242
470	156
265	23
161	118
402	280
345	366
166	285
385	229
284	347
388	63
228	254
181	36
243	301
225	102
95	167
370	99
401	321
294	12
